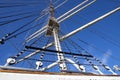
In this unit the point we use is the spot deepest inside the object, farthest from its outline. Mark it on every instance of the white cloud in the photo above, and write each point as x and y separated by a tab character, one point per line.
106	56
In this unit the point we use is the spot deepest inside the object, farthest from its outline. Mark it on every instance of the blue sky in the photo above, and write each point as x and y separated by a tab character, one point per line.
104	35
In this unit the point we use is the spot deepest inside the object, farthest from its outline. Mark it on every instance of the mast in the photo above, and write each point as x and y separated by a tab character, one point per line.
53	30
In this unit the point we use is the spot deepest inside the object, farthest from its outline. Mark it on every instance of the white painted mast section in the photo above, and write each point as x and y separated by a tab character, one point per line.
62	64
76	11
75	31
72	10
